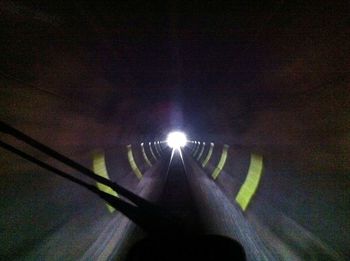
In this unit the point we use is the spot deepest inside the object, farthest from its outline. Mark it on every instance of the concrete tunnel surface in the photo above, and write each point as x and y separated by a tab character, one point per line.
269	228
264	84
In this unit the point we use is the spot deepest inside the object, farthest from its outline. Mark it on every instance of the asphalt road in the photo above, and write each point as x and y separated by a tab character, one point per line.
204	206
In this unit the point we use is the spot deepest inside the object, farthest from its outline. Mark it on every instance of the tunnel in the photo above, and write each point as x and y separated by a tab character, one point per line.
257	93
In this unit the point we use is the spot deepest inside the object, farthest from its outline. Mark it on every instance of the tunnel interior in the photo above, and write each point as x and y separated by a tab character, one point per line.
261	90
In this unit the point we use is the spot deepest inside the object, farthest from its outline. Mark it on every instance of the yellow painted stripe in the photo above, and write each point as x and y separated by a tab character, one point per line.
195	152
207	158
155	145
194	146
251	182
160	148
221	163
99	167
150	148
197	145
145	155
201	152
132	162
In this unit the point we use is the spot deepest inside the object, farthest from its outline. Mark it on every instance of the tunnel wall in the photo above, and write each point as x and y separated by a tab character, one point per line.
57	207
282	206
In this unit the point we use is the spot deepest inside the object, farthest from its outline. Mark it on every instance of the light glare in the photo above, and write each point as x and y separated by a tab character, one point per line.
176	139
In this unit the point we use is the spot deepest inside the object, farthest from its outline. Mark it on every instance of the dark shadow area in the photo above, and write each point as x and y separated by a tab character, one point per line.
205	248
145	214
171	235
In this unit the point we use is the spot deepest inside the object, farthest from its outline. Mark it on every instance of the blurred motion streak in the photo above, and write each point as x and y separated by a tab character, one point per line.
132	162
145	155
157	150
201	152
207	158
251	182
195	152
221	163
150	148
99	167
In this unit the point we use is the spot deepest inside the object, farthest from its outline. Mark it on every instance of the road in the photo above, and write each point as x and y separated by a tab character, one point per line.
182	187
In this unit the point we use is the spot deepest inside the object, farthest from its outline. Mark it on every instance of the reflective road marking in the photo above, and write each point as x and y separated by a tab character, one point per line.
132	162
251	182
195	152
207	158
99	167
201	152
221	163
145	155
150	148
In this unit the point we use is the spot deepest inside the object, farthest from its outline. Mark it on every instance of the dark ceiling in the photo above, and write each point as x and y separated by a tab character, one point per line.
250	73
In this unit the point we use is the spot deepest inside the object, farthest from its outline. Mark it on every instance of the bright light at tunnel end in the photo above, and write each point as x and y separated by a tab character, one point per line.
176	139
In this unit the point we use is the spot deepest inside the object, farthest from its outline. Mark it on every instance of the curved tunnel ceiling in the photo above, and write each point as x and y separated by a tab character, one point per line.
272	77
251	73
